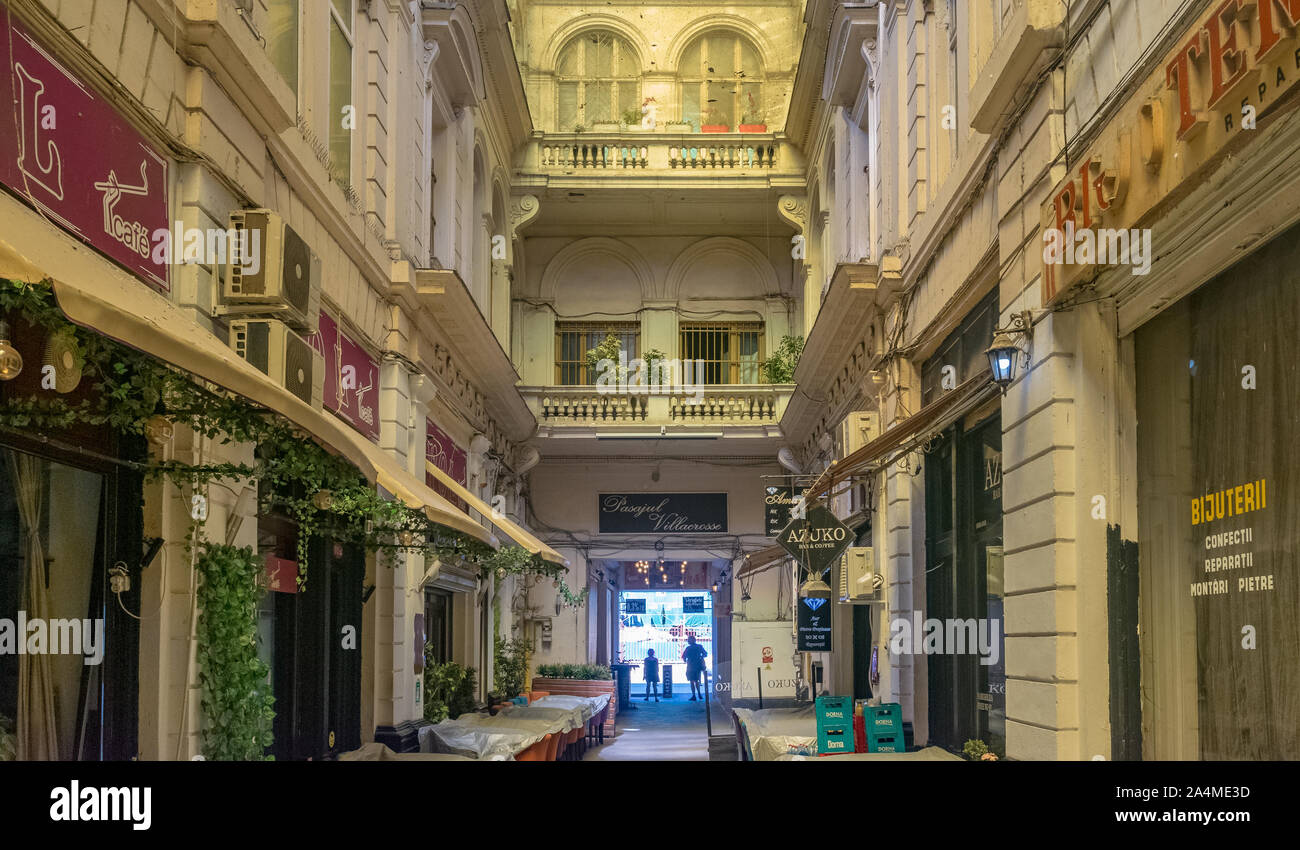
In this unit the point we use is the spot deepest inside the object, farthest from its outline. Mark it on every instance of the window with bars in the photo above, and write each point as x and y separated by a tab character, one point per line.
597	78
722	83
723	352
574	339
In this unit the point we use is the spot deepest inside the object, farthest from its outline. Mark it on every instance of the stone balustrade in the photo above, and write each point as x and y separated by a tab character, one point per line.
715	405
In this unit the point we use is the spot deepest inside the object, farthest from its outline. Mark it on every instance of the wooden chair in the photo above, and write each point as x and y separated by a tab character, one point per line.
553	747
537	752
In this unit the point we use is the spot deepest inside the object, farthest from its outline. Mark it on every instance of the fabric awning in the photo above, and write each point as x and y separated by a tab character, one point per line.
762	558
509	528
935	416
94	293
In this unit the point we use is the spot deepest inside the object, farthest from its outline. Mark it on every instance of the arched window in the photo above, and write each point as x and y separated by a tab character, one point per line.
722	83
597	78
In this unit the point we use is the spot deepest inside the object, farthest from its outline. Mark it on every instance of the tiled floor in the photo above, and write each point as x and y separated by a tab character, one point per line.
668	730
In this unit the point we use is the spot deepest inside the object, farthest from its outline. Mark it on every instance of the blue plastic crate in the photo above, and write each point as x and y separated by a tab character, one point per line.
883	720
885	744
834	711
835	739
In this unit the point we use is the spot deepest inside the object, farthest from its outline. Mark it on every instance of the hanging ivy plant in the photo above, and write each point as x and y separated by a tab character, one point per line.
237	703
293	471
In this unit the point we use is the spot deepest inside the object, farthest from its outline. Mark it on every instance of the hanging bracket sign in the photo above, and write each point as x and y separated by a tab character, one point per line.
817	540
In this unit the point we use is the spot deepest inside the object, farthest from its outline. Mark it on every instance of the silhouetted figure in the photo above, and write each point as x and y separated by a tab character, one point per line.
651	674
694	655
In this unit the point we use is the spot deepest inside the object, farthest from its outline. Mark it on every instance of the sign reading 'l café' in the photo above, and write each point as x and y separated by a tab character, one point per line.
66	151
1206	99
663	513
351	377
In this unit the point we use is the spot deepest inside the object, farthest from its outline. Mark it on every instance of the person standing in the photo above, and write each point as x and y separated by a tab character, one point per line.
694	655
651	674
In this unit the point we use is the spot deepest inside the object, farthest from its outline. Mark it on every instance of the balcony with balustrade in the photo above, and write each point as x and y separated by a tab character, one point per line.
719	410
760	159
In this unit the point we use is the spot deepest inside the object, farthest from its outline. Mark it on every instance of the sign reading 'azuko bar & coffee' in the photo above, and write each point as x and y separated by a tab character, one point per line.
657	513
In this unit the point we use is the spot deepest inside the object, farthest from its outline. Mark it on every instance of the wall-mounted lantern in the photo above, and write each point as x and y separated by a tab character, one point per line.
1009	344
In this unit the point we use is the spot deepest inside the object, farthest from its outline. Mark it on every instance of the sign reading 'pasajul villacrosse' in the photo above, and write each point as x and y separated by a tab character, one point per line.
816	541
662	513
71	155
1225	78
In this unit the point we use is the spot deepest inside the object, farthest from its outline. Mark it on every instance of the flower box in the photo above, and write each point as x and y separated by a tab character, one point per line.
715	128
677	127
753	128
605	127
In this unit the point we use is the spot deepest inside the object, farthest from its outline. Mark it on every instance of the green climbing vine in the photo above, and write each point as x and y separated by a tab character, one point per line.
237	703
136	394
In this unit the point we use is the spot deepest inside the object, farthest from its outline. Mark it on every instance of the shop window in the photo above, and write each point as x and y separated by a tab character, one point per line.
574	339
1218	526
721	82
724	352
59	527
437	625
597	79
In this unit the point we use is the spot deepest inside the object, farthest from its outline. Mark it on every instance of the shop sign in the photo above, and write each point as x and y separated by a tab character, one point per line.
441	451
814	624
634	606
351	377
65	150
1203	102
658	513
816	541
778	503
692	604
281	575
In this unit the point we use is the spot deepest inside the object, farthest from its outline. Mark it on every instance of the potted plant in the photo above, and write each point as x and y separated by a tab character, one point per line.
604	126
779	368
752	121
977	750
712	121
678	127
631	119
579	128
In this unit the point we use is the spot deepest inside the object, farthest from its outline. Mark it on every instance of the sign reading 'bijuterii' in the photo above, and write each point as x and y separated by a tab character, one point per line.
659	513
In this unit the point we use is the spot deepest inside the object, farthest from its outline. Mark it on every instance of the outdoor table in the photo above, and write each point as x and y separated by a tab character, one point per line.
555	719
591	706
773	732
467	737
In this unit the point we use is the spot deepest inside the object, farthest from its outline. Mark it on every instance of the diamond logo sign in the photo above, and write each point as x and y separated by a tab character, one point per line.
814	603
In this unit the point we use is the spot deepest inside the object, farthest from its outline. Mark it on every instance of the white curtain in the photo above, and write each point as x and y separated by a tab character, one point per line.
37	740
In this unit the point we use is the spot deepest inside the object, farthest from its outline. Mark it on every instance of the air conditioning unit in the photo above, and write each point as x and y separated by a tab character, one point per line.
286	357
278	276
859	581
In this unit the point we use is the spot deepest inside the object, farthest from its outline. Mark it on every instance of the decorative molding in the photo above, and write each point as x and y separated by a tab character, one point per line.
794	209
523	209
572	254
712	246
